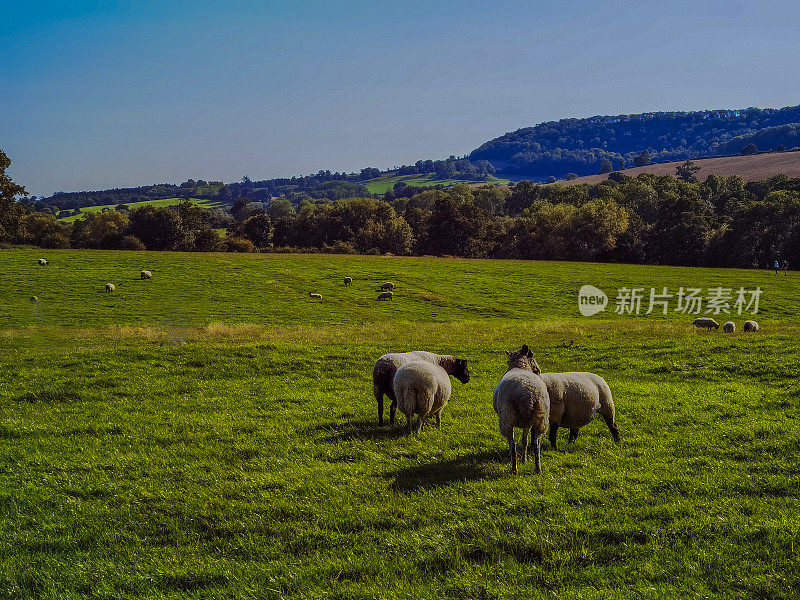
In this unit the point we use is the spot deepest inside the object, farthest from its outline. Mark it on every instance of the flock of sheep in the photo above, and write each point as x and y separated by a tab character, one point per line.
729	327
386	290
419	383
110	287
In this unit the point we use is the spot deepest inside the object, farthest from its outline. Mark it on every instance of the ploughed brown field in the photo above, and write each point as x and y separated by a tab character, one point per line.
750	168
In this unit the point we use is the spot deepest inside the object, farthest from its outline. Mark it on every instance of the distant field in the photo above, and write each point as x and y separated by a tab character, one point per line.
211	433
132	205
380	185
750	168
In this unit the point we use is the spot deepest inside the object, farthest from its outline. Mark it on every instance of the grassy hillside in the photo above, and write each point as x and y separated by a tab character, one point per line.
212	433
132	205
380	185
750	168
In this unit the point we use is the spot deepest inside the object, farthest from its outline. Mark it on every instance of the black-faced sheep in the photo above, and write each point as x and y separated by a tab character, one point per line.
729	327
385	296
145	275
314	296
750	326
521	400
386	368
421	388
42	262
387	286
575	398
348	281
34	299
705	322
110	287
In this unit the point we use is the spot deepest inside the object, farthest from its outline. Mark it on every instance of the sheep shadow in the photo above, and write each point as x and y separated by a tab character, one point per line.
470	467
359	430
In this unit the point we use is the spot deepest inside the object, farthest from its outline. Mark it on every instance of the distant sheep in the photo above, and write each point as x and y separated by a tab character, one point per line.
422	388
729	327
385	296
34	299
521	400
145	275
705	322
314	296
575	398
386	367
387	286
750	326
348	281
110	287
42	262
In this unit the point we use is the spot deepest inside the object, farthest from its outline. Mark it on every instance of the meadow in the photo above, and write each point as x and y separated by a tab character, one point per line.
164	202
211	433
380	185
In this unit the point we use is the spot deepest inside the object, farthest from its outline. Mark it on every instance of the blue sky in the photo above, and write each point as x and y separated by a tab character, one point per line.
114	94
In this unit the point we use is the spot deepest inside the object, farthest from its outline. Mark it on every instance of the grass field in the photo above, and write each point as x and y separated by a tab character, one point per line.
211	433
381	184
132	205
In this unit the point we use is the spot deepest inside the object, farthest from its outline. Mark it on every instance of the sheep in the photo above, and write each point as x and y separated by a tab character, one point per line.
385	296
348	281
423	388
574	400
42	262
145	275
750	326
705	322
729	327
387	286
110	287
521	400
314	296
386	367
34	299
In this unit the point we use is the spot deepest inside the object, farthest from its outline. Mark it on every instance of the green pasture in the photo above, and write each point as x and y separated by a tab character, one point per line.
158	203
211	433
381	184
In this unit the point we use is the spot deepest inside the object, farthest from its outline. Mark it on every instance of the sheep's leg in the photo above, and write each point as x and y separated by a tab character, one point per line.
420	423
379	398
553	435
612	427
512	453
537	454
573	435
439	420
392	411
409	425
525	431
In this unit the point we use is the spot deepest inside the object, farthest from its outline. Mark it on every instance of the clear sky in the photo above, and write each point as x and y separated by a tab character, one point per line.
113	94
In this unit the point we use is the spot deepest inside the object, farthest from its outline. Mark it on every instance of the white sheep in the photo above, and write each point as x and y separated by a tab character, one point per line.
750	326
705	322
729	327
386	367
314	296
422	388
42	262
348	281
521	400
575	398
387	286
385	296
145	275
110	287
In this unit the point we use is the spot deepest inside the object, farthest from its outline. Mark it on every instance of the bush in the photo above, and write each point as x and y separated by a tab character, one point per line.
238	244
131	242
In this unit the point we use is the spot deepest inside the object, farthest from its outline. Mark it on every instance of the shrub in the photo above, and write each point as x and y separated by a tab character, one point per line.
237	244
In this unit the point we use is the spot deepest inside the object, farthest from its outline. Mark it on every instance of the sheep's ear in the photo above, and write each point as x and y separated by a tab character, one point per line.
508	353
535	367
525	349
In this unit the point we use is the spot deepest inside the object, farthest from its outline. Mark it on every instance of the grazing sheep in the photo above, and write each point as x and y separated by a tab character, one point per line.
750	326
575	398
385	296
348	281
42	262
314	296
386	367
422	388
110	287
705	322
521	400
34	299
729	327
387	286
146	275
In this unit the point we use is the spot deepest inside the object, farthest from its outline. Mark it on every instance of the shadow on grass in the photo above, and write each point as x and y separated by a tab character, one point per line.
359	430
471	467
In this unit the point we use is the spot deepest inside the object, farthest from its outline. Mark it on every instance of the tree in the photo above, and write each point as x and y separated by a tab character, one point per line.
606	166
570	176
157	228
642	159
686	172
749	150
11	211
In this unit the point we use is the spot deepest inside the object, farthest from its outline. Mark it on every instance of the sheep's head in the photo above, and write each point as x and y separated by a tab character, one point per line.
523	359
461	370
